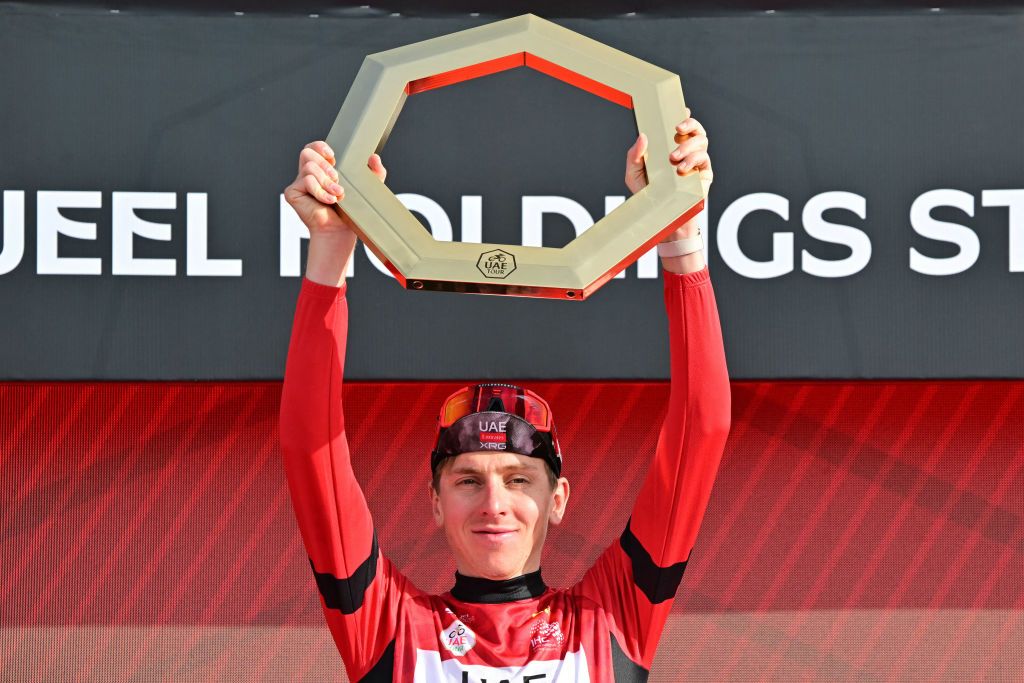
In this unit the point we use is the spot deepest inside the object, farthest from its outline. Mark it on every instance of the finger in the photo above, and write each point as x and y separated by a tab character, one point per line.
310	156
295	191
635	155
321	193
322	148
316	190
376	165
688	146
690	126
698	160
324	174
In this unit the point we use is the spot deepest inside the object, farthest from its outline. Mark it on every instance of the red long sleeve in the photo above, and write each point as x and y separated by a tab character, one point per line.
360	590
671	504
332	513
637	577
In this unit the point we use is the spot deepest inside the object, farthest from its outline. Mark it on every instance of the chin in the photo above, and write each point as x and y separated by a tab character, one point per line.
499	568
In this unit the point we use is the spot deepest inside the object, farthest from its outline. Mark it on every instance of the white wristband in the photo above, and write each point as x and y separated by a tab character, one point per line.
681	247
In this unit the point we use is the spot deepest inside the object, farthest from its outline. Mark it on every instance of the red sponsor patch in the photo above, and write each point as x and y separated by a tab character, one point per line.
492	437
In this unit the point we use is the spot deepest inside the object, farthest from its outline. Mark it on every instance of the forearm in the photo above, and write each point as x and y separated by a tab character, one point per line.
671	504
329	256
689	263
328	503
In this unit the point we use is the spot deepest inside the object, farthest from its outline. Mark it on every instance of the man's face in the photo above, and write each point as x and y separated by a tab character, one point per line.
495	508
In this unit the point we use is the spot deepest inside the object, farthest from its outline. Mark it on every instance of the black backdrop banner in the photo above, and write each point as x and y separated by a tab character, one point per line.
866	220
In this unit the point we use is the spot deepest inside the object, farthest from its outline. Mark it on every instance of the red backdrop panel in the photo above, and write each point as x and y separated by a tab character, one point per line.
857	531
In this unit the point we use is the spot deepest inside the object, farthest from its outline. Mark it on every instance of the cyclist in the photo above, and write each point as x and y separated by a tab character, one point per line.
497	484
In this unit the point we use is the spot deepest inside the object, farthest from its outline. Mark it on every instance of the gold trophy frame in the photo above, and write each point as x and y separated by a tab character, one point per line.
572	272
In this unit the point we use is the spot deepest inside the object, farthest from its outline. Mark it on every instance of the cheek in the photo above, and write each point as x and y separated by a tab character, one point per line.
454	511
532	511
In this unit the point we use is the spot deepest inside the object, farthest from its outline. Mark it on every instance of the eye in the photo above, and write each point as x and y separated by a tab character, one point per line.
519	480
464	482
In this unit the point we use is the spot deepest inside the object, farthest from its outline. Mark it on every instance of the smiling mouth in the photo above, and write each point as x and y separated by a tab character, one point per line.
495	534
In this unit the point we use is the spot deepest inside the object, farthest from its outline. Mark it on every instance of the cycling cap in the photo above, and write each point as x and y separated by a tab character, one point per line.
496	417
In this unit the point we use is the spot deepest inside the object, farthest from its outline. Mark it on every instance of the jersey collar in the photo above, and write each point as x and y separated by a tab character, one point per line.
487	591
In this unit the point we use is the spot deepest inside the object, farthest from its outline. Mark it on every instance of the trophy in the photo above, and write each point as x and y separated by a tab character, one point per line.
572	272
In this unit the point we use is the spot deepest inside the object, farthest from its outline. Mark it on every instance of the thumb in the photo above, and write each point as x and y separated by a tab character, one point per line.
635	155
377	166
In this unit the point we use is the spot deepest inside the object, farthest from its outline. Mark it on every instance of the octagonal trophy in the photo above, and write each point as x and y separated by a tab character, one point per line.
572	272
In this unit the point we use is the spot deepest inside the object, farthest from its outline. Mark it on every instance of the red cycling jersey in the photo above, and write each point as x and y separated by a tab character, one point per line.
604	628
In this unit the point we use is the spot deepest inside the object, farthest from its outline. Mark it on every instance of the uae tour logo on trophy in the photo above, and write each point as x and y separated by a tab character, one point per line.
496	264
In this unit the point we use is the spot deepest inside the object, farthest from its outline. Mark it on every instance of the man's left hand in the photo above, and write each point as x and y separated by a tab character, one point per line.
690	155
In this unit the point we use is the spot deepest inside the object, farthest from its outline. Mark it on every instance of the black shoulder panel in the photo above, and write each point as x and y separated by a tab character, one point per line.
657	583
347	594
384	670
624	668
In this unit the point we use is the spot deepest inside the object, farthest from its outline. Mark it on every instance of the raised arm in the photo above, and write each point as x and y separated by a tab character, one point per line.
669	509
636	578
671	504
360	590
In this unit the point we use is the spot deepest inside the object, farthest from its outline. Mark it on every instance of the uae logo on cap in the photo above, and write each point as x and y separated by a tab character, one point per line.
493	435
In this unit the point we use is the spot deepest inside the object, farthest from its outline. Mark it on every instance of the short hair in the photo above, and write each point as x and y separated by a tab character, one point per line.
435	479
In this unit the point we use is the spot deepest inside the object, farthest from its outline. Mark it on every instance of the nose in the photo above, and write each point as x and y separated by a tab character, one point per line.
495	501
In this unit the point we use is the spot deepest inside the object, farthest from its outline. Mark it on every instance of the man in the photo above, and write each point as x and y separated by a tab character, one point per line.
497	485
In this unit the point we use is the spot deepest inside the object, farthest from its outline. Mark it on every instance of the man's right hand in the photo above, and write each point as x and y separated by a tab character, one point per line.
315	191
314	195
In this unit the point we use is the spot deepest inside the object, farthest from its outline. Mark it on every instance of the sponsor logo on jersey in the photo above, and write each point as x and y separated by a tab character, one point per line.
546	636
457	638
467	618
571	669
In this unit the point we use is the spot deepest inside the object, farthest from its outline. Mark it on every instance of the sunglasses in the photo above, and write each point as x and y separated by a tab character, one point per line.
504	398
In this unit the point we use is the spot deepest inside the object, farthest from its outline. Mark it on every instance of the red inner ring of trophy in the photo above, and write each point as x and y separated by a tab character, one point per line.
513	61
572	78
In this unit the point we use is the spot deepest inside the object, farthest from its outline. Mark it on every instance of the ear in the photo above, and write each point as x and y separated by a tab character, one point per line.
435	505
560	497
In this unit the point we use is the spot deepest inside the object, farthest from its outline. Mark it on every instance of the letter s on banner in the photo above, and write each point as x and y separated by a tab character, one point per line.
817	227
954	233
